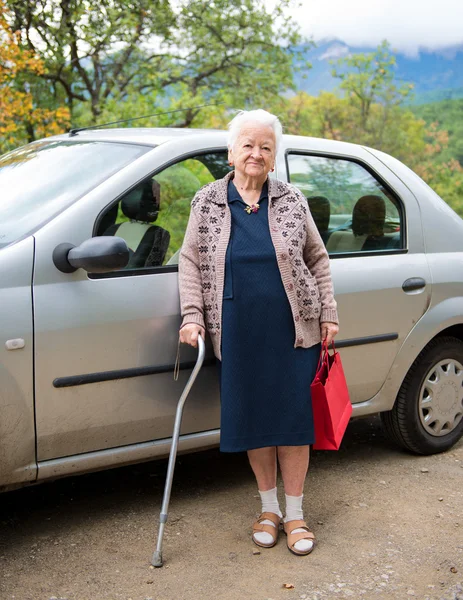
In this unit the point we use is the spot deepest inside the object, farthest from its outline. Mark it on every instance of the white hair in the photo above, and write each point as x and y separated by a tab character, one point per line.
260	116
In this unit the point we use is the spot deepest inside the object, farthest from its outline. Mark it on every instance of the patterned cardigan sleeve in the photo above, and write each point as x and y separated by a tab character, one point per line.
189	276
317	260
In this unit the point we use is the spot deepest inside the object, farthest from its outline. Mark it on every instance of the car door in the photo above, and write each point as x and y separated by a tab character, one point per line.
371	225
17	435
106	344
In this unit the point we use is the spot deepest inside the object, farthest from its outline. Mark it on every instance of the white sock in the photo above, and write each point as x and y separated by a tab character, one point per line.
294	513
269	504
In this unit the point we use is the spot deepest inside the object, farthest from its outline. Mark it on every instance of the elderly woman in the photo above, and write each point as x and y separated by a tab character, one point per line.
255	274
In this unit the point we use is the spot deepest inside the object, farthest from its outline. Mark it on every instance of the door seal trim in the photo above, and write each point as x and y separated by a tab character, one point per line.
371	339
74	380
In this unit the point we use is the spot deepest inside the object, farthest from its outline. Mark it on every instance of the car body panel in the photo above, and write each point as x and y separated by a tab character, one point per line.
121	329
17	434
376	308
139	135
440	319
125	455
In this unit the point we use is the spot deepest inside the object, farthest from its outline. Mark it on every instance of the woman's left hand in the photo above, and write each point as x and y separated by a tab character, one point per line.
328	331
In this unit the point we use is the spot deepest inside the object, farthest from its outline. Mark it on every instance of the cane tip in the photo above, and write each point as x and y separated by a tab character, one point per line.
156	561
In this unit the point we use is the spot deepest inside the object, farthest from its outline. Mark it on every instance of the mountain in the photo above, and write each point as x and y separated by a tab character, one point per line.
436	74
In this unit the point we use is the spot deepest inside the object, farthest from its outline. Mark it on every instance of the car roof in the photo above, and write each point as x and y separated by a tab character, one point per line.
154	136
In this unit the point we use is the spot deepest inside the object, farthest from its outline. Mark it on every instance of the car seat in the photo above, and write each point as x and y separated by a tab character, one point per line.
368	218
108	219
147	243
320	209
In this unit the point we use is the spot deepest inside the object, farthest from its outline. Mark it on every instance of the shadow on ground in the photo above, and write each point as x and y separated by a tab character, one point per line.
31	509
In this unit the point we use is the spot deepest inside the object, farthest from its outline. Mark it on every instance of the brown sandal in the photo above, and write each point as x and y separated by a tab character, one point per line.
273	531
293	538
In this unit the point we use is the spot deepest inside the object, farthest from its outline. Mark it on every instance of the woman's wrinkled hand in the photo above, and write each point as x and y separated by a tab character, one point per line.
328	332
189	334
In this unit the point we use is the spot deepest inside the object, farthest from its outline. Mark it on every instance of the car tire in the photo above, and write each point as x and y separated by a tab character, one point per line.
410	423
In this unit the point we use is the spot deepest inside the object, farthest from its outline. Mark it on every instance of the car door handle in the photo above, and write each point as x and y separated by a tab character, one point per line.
413	284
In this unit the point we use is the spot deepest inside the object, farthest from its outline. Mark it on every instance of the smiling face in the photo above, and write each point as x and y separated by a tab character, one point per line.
253	154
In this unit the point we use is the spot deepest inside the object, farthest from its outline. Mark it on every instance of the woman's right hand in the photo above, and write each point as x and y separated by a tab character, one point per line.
189	334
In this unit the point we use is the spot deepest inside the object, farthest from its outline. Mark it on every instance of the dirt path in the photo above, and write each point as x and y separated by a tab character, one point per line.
389	525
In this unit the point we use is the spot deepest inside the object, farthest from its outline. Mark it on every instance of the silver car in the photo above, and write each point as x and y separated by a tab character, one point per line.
91	224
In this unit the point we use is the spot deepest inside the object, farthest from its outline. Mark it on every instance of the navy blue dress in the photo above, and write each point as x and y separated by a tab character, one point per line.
264	380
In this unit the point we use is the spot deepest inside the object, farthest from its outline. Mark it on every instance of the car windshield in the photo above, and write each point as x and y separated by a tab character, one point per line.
40	180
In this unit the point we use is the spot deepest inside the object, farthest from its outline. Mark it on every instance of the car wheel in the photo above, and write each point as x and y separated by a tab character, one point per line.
427	417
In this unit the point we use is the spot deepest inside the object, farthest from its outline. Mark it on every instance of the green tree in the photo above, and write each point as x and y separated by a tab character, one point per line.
20	114
395	131
448	116
373	104
444	175
156	53
368	79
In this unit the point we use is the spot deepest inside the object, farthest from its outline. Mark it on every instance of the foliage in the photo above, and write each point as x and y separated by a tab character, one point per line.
368	79
158	53
395	130
444	175
437	95
20	117
178	186
368	109
448	115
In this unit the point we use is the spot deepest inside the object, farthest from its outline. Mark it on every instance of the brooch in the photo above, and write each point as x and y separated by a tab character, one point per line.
252	209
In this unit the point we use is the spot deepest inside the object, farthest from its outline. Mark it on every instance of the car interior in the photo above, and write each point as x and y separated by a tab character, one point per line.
366	230
154	230
147	242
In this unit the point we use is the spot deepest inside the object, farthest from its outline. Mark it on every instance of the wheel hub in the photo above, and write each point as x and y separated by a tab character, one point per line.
447	397
441	398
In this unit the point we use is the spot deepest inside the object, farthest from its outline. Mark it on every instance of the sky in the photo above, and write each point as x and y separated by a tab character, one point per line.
408	24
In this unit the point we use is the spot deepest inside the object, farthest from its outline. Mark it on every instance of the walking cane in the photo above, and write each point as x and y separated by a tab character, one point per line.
156	561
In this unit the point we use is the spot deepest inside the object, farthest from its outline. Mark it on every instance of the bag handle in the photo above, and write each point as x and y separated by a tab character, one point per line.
324	354
326	348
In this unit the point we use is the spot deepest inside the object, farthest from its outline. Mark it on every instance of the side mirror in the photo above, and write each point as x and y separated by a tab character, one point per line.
96	255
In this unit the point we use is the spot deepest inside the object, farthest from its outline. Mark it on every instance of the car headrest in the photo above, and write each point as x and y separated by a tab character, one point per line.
143	202
321	209
369	215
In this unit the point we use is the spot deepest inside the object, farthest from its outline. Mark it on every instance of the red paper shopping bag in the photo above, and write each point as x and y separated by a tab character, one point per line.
330	401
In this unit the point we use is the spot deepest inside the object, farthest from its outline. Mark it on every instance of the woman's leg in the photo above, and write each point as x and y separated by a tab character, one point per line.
263	462
294	464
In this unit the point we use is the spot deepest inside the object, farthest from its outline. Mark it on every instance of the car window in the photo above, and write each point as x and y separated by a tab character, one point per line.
152	217
354	211
41	179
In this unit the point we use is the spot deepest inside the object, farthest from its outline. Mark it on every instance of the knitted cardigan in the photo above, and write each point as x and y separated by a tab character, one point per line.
301	256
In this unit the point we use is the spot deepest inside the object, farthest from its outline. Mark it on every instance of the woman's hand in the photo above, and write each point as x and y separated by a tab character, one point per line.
328	331
189	334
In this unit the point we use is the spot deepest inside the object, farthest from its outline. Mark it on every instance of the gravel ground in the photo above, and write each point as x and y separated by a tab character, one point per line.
389	525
